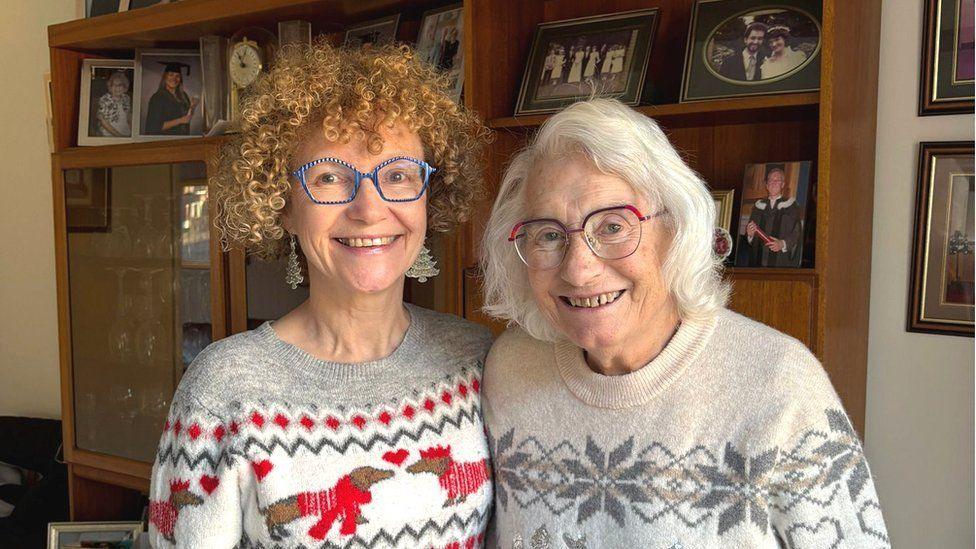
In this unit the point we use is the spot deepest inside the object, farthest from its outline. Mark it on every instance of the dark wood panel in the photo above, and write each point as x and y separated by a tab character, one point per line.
787	305
97	495
473	302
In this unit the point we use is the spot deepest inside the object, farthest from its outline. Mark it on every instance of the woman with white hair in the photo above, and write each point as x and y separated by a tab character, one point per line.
626	406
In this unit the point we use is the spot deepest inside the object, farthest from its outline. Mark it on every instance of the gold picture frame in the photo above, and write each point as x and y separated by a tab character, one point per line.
723	208
72	535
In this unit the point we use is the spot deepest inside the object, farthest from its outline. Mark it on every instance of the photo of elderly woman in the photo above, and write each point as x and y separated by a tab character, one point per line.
626	405
762	45
171	87
110	111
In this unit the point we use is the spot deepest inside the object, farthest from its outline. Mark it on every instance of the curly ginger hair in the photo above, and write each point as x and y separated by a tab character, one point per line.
345	93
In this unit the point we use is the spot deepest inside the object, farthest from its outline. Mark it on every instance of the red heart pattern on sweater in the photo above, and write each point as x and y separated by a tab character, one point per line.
396	458
261	468
209	483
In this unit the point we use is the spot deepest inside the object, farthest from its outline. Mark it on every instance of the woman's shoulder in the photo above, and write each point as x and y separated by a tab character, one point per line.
447	336
216	375
774	371
516	347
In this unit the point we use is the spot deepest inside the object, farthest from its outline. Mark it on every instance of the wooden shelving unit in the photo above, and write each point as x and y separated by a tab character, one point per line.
824	304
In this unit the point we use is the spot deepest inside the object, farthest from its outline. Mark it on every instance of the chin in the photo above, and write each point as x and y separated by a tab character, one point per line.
372	280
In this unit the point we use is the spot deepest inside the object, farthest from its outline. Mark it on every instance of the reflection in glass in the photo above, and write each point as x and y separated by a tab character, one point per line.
131	298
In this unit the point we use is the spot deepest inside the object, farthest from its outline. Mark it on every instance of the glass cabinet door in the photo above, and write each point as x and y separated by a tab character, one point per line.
139	285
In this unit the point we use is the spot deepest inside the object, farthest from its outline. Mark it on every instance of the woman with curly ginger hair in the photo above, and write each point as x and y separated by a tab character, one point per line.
354	418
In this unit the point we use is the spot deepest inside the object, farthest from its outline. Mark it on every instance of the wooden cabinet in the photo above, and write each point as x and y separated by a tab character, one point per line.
111	402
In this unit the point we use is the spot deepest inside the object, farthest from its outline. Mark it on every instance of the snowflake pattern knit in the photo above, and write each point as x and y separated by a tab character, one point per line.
732	437
410	470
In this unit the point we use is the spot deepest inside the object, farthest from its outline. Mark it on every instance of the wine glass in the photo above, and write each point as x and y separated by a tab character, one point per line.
120	342
149	334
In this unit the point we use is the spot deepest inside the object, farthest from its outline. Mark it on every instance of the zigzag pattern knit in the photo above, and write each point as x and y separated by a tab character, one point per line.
266	446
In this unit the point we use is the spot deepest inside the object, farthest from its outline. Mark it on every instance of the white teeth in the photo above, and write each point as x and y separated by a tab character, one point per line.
366	242
595	301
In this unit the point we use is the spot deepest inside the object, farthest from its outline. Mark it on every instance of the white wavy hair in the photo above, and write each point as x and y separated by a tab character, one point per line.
622	142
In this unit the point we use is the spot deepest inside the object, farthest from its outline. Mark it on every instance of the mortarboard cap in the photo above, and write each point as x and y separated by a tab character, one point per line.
175	66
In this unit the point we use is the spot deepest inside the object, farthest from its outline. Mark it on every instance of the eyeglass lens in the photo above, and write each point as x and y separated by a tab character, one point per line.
610	234
330	181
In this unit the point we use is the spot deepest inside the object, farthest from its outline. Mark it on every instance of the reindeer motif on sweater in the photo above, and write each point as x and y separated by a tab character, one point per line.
345	499
458	479
163	514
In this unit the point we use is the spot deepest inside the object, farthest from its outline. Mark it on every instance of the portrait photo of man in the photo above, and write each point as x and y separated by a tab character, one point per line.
772	218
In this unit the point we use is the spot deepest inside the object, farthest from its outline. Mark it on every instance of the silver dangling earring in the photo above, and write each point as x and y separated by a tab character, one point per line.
423	267
293	271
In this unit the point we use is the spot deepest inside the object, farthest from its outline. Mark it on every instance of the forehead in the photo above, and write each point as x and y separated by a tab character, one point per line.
569	188
397	141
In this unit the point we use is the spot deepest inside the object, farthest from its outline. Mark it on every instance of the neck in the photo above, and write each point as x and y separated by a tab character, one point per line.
340	326
631	356
777	197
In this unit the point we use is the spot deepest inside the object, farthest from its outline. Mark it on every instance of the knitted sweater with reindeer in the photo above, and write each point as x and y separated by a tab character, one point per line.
266	446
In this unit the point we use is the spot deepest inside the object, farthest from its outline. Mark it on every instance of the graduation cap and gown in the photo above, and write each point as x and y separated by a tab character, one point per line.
164	106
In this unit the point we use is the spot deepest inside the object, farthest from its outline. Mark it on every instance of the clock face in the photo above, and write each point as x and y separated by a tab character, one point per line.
245	64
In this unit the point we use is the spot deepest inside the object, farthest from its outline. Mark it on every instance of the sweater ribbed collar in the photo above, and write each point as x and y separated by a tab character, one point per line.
291	356
637	387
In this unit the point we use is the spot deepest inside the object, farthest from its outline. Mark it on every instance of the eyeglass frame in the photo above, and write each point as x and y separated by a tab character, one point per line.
299	174
582	227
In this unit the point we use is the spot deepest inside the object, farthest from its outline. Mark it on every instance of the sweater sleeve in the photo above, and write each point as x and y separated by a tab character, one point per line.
821	491
194	497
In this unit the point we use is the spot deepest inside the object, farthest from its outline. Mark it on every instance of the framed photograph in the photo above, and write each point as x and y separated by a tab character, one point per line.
752	47
946	83
772	214
105	102
74	535
570	60
295	32
941	295
87	196
94	8
377	31
168	93
441	43
723	208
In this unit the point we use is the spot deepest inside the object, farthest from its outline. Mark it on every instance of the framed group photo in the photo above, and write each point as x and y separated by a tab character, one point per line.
941	298
752	47
168	94
603	55
105	102
947	81
441	44
772	215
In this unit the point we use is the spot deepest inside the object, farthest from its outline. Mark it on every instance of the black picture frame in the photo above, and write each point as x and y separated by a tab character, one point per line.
946	45
615	67
717	38
938	276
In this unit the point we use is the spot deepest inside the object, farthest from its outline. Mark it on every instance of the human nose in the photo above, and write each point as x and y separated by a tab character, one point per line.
368	206
580	266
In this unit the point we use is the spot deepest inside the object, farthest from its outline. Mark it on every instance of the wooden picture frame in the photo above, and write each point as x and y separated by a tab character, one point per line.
616	66
946	83
941	291
723	207
721	32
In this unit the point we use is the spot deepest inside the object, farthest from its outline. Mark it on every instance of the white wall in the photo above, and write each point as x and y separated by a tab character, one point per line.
919	425
29	378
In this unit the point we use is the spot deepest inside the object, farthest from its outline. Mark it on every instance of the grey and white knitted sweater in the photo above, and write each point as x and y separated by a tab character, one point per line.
732	437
